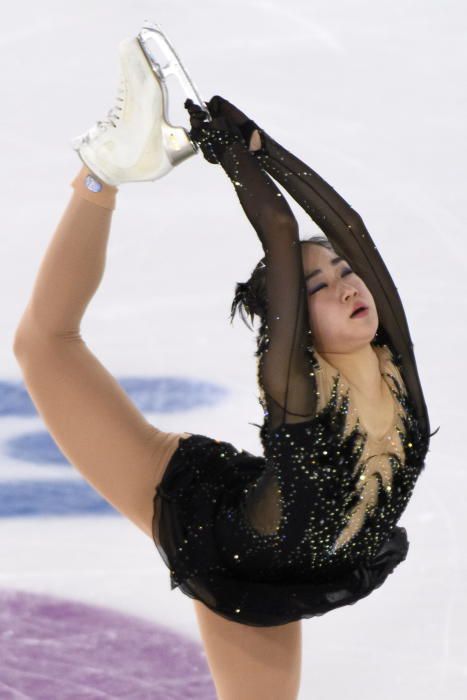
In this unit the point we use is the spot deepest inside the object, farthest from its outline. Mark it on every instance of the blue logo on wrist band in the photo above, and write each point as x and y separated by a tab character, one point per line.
92	184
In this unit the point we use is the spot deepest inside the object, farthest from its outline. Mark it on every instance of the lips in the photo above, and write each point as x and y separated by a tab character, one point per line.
358	308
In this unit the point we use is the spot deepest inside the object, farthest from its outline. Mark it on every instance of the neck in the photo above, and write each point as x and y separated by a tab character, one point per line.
360	368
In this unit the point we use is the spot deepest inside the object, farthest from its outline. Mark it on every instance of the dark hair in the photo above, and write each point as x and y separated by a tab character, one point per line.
251	300
250	297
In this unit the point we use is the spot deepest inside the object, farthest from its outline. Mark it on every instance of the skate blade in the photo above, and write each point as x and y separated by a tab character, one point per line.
165	62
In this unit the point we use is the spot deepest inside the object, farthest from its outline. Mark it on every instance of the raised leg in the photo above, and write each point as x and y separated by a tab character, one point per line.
90	417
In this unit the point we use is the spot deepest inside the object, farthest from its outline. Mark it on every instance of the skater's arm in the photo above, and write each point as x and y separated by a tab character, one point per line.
350	238
87	413
340	222
285	366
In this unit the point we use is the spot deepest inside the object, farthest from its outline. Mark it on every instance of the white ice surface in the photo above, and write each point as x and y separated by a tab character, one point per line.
372	96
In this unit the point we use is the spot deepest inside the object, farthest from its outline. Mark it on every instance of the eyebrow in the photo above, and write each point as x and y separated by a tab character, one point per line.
334	261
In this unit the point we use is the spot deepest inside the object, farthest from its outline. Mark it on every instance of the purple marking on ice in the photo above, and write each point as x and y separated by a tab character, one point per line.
54	648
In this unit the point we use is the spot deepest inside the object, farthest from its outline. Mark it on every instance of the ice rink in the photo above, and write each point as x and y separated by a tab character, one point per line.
373	96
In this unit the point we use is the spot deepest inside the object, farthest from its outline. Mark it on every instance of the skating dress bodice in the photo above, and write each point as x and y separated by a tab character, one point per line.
329	493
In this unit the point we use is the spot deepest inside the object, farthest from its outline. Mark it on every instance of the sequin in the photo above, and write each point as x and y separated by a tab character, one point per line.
310	525
282	560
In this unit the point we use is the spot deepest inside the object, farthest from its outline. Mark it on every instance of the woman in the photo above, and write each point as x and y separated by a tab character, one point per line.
259	542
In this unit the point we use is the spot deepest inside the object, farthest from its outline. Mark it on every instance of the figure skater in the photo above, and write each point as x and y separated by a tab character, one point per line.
258	542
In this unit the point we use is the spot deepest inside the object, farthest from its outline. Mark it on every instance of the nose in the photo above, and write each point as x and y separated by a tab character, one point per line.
348	291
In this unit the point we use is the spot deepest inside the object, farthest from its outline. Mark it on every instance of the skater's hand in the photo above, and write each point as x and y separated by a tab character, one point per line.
218	106
214	136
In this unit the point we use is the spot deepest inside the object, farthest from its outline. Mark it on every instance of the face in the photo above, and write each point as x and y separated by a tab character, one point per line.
332	295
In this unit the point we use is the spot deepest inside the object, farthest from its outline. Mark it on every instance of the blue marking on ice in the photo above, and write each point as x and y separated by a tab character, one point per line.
67	497
35	448
159	394
51	497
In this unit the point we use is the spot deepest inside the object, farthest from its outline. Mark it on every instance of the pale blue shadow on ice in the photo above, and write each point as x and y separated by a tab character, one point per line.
28	497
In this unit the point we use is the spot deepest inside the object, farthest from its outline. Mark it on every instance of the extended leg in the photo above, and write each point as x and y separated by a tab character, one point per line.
92	420
73	266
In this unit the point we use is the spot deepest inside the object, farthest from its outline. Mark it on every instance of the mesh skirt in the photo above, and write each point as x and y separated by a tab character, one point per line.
202	477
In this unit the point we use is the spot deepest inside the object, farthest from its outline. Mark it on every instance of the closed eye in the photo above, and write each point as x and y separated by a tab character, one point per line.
347	271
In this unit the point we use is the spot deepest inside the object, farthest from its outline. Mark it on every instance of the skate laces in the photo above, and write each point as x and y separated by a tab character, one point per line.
113	115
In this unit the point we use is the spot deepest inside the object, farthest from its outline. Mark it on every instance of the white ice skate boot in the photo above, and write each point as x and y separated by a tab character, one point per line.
136	142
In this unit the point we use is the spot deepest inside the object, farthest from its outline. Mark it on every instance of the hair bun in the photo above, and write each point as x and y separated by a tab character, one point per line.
245	301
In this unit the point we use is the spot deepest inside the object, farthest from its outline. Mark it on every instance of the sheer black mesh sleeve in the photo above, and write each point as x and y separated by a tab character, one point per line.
350	239
284	369
281	504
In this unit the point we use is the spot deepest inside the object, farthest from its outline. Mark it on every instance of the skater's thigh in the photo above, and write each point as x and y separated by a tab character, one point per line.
95	424
164	444
252	663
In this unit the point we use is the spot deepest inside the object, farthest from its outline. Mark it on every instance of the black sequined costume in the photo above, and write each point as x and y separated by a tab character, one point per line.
253	537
